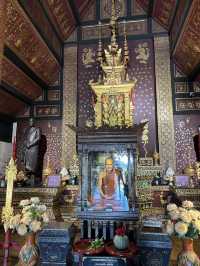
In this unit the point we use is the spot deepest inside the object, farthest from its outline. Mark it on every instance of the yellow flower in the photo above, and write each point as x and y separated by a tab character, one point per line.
196	224
22	229
185	216
181	228
194	214
35	226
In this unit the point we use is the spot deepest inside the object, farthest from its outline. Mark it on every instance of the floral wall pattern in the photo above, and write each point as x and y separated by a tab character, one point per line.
185	129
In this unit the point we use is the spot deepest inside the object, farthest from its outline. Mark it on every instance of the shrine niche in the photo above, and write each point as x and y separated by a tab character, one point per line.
107	147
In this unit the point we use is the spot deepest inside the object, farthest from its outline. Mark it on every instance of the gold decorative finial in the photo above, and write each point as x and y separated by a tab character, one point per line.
113	26
7	211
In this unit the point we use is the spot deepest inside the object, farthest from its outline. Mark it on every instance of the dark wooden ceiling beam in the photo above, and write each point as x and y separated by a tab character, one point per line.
151	7
12	91
174	15
184	16
195	73
75	12
38	28
21	65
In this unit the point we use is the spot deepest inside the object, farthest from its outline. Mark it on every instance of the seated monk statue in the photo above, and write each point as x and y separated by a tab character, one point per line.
108	179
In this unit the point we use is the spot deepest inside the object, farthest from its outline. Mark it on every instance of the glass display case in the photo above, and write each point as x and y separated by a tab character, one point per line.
108	161
108	180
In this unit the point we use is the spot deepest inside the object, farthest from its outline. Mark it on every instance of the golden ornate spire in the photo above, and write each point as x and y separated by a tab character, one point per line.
113	90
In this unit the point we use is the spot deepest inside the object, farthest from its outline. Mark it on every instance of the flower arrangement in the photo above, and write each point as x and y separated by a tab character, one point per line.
184	221
32	217
120	239
120	231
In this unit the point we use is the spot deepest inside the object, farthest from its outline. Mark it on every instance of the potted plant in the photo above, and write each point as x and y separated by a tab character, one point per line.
120	240
32	218
184	223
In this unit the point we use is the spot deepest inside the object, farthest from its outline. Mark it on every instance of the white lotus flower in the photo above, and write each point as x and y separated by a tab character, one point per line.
24	202
26	219
35	226
45	217
181	228
171	207
22	229
174	214
42	208
35	200
187	204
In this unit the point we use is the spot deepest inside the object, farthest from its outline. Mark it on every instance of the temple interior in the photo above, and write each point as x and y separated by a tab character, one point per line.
100	132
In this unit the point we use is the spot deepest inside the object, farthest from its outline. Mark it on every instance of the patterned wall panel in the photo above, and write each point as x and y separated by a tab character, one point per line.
132	27
185	129
16	78
61	15
164	101
28	45
163	12
69	104
35	11
187	50
84	5
181	87
9	104
136	9
46	110
89	14
51	141
3	6
105	8
53	95
144	4
187	104
142	68
177	20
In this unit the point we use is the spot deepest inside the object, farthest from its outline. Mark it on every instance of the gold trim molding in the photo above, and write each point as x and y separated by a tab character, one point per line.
69	104
164	102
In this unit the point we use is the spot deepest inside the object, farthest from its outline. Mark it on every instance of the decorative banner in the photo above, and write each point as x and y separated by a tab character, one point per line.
164	102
